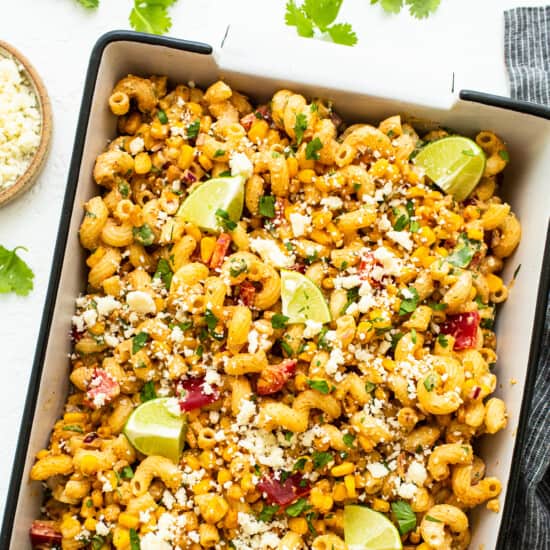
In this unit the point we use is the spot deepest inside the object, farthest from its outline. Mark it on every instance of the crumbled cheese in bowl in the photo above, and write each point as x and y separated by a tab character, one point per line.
20	122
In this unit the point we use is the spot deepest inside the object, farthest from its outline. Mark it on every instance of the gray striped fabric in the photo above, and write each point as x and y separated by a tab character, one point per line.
527	56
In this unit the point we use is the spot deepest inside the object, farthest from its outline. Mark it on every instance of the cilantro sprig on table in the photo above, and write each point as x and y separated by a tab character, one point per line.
15	275
146	16
417	8
319	15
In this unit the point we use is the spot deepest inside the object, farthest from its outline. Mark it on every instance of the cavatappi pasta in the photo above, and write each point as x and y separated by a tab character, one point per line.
381	405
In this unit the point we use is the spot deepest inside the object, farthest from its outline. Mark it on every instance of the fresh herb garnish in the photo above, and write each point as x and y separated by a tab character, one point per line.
369	387
90	4
134	540
286	348
321	459
431	518
148	391
313	148
224	220
352	294
193	129
127	472
163	119
237	267
164	272
322	342
73	428
139	341
348	440
15	275
464	252
151	16
319	385
295	509
319	15
300	127
97	542
279	320
442	340
404	515
438	306
429	382
144	235
409	301
123	189
266	207
267	512
219	153
417	8
504	155
299	464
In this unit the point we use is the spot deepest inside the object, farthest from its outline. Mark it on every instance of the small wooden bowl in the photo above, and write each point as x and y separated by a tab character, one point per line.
27	179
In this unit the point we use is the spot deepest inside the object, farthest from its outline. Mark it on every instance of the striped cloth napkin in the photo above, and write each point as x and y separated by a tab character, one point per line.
527	56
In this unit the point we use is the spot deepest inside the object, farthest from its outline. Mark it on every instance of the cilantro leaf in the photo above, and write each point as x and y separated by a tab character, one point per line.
266	207
148	392
192	130
406	518
151	17
409	302
127	472
464	251
422	8
442	340
139	341
319	385
342	33
300	127
267	512
15	275
430	382
321	459
322	12
164	272
391	6
297	508
224	220
279	320
348	440
144	235
296	17
313	148
90	4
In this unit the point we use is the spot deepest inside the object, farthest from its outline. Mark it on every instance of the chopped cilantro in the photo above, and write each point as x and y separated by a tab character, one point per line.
431	518
442	340
267	512
224	220
134	540
164	272
163	119
193	129
322	342
279	320
124	189
219	153
144	235
237	267
148	391
73	428
299	464
138	341
429	382
313	148
266	206
127	472
438	306
401	222
286	348
369	387
200	351
352	295
464	252
288	435
15	275
98	541
295	509
504	155
319	385
404	515
348	440
409	302
225	174
321	459
300	127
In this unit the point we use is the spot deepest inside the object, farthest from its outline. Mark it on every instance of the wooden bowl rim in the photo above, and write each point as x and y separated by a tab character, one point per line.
28	178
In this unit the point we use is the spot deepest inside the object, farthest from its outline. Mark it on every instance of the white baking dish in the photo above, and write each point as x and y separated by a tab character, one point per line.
358	95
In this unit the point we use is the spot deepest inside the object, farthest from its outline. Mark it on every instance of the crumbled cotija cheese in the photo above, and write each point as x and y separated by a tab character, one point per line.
20	122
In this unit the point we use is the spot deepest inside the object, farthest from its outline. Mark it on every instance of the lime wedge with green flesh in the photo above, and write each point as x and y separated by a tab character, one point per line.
302	299
455	164
365	529
226	194
154	429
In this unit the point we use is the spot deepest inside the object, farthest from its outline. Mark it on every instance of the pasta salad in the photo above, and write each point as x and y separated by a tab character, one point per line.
287	325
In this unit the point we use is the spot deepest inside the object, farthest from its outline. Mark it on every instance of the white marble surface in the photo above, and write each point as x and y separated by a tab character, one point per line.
57	36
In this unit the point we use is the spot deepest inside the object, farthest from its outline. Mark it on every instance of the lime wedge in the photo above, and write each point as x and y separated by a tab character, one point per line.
365	529
302	299
226	194
455	164
154	429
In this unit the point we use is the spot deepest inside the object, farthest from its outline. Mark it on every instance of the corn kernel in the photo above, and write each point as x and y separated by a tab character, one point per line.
300	381
207	459
202	487
339	492
292	165
471	212
70	527
193	462
349	482
321	237
89	464
42	454
185	157
342	469
380	505
475	233
128	520
158	130
76	417
298	525
307	175
426	235
494	282
205	162
223	476
121	538
234	492
258	131
378	169
90	524
142	163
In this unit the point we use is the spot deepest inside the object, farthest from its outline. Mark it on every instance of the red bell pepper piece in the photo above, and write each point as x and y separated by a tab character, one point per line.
195	393
45	534
274	377
102	389
222	246
247	293
463	327
284	492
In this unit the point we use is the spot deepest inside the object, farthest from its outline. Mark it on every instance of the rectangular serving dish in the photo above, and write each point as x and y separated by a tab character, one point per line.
357	97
